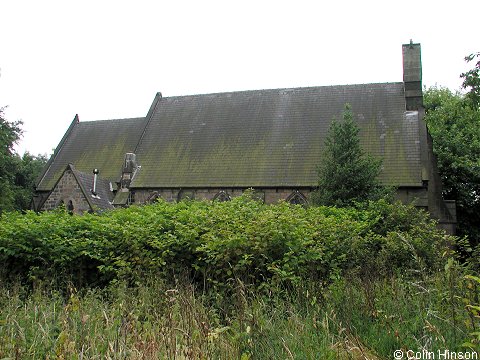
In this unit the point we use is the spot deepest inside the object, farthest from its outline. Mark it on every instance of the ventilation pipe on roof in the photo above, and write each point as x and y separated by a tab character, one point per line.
95	174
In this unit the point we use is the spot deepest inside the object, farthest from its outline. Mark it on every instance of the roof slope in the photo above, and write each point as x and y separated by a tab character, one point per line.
103	198
94	144
272	137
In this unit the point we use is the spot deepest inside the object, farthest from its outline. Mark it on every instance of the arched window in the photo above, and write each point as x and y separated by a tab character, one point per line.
153	198
222	196
186	195
297	198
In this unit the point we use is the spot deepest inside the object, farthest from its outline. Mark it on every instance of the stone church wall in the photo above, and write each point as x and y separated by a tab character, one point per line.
269	195
66	190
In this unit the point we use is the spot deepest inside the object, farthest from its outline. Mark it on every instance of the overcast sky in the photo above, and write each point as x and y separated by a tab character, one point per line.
107	59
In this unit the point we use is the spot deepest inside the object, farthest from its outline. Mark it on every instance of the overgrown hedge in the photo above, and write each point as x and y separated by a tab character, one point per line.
213	242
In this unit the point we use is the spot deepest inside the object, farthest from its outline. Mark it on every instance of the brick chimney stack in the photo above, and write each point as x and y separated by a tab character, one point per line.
412	76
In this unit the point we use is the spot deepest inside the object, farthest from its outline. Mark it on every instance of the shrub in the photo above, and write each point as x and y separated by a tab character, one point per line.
213	243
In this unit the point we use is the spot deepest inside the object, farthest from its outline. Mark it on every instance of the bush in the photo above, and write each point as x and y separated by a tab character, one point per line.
213	243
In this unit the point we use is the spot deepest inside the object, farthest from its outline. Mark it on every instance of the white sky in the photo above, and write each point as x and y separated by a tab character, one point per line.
107	59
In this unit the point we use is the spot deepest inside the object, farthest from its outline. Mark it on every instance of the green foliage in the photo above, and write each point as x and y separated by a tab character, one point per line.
17	174
472	304
348	319
151	321
471	80
215	243
455	127
28	168
237	279
9	135
346	175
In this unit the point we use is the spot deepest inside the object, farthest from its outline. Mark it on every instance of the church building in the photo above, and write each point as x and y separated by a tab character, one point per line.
215	146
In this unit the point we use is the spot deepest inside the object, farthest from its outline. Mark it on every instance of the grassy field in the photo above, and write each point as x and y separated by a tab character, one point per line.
346	320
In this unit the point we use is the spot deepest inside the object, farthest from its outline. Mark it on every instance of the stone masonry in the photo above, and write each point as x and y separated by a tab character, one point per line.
66	190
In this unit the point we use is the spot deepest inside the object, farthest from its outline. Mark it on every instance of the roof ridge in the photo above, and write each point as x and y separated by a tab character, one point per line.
280	89
122	119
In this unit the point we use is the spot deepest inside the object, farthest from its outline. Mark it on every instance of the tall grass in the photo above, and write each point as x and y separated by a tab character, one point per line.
146	322
349	319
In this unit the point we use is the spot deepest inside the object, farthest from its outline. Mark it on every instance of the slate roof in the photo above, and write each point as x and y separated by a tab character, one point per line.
93	144
270	138
260	138
100	201
103	198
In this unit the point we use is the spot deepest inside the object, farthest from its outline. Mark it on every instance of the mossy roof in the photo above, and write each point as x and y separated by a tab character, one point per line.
272	138
93	144
260	138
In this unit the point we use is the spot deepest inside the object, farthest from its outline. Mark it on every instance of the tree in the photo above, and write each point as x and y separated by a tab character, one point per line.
17	174
28	169
471	80
10	133
453	121
347	175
